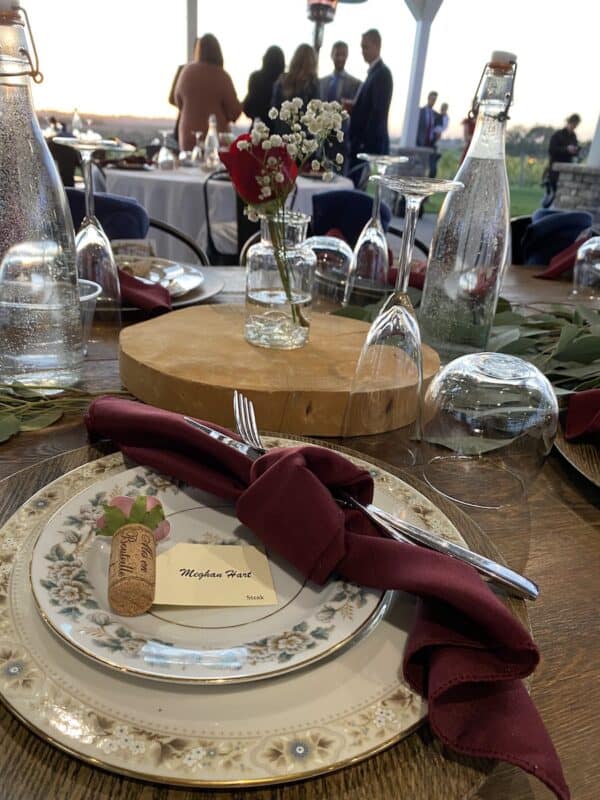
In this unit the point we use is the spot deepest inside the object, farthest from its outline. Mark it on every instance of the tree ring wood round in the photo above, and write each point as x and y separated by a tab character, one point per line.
191	360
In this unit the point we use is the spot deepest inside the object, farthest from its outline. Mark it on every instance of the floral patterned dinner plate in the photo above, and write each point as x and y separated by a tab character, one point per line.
69	575
307	722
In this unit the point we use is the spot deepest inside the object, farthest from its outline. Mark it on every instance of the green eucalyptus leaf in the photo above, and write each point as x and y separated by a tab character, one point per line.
38	421
509	318
567	335
585	349
9	425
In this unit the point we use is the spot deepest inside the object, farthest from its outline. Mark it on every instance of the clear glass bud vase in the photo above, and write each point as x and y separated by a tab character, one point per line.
280	272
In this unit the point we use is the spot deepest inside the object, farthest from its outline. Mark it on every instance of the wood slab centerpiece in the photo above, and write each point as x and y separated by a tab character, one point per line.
191	360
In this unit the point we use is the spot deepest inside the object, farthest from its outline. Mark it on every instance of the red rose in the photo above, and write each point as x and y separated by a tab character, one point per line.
245	166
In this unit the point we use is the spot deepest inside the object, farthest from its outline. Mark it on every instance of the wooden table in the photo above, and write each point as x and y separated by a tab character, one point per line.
555	538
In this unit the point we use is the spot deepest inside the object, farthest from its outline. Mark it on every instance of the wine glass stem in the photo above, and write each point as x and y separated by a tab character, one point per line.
411	217
377	201
86	168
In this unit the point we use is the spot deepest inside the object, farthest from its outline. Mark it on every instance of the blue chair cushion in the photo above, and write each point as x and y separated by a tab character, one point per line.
121	217
345	209
551	234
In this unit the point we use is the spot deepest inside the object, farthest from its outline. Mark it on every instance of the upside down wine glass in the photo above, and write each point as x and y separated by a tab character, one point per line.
94	256
387	384
369	265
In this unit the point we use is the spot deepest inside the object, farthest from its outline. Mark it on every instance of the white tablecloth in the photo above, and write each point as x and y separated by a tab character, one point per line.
177	197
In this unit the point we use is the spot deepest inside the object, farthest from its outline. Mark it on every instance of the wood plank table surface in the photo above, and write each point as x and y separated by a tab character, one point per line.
554	537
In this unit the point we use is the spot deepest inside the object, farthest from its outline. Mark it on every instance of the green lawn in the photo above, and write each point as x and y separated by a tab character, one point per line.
523	200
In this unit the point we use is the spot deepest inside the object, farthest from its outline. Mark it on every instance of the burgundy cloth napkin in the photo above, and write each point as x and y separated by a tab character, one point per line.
564	261
143	295
466	652
583	414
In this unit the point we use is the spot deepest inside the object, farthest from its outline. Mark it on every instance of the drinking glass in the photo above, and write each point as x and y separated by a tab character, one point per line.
95	259
197	153
334	258
386	386
586	274
415	190
165	158
370	261
489	421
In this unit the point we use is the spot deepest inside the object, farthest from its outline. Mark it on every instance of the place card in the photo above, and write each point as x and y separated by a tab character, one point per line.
213	575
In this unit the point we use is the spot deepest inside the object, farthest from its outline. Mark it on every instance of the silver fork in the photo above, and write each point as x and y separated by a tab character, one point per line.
245	420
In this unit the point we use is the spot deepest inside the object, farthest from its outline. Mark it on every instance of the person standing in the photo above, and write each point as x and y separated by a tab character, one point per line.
260	85
563	147
426	131
369	109
204	88
339	87
300	80
441	123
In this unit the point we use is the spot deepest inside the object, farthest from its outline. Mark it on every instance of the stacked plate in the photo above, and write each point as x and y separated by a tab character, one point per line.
197	696
185	283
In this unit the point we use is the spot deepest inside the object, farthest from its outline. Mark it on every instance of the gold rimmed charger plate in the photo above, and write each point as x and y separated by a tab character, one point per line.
308	723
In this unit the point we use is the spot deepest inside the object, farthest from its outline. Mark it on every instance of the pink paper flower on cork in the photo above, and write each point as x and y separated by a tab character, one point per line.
143	510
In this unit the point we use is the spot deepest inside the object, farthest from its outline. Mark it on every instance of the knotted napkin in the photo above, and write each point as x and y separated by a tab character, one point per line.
466	652
148	297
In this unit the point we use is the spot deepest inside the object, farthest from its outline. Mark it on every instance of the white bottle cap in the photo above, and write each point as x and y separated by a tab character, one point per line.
503	57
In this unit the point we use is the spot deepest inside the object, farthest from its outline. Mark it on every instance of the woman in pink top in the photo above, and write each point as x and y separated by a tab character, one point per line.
204	88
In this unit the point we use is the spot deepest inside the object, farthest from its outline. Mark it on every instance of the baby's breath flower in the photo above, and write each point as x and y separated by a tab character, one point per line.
279	177
273	113
315	165
339	158
243	145
276	140
339	136
266	145
328	176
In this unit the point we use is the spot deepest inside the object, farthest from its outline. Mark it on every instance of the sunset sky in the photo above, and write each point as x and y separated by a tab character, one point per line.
120	57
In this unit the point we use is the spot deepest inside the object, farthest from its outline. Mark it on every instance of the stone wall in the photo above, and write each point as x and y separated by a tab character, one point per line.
578	189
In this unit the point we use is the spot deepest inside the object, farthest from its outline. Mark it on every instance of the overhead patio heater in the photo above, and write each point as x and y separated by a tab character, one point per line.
321	12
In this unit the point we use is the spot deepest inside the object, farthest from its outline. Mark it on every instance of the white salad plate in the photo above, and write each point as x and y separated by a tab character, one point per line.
69	576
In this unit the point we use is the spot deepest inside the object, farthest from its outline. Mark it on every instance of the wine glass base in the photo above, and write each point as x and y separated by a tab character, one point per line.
472	482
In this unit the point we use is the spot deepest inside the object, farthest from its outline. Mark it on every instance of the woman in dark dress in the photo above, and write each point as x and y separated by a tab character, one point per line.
300	80
260	84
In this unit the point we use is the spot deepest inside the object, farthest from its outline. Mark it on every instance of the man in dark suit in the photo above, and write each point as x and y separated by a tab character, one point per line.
339	86
369	111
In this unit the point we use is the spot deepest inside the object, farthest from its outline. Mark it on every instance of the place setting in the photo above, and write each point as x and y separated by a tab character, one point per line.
313	663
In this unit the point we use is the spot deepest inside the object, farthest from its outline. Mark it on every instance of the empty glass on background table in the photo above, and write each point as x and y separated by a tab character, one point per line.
197	152
586	274
370	262
166	158
489	421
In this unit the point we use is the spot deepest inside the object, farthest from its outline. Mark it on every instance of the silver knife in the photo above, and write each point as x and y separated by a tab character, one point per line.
403	531
241	447
400	529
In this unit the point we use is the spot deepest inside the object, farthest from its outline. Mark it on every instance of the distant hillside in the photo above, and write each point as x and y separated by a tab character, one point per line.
140	130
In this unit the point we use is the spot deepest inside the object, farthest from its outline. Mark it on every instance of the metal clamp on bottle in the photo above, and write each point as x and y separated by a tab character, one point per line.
13	9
